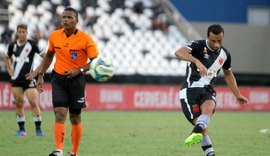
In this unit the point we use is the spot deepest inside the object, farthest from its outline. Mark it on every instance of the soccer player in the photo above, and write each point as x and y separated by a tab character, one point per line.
73	48
22	77
197	96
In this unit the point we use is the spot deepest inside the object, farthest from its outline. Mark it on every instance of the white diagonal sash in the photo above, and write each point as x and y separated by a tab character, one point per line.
205	80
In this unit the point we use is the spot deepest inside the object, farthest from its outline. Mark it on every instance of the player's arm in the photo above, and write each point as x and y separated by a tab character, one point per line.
92	53
232	84
45	64
184	54
31	75
86	67
74	72
9	63
42	55
9	60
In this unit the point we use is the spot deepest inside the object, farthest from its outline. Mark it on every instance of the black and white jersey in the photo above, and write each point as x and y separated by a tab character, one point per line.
23	55
212	60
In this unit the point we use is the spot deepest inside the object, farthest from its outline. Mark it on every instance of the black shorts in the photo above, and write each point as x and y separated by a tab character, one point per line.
192	98
68	92
25	84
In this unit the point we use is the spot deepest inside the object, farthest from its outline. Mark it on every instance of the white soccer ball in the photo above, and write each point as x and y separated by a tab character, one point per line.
101	69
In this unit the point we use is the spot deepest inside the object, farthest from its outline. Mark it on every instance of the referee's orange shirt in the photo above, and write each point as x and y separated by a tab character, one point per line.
71	52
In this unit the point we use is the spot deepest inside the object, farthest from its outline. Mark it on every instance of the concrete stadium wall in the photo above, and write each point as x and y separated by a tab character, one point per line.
248	45
235	11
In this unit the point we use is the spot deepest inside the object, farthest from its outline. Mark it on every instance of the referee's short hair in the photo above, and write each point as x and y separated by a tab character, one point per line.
72	9
215	29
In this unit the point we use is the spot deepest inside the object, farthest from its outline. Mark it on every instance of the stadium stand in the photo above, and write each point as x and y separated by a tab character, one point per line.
136	35
139	36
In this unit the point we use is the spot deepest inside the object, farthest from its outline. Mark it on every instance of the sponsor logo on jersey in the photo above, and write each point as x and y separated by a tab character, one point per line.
211	73
22	59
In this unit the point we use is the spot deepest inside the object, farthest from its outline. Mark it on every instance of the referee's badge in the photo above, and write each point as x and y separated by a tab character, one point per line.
74	56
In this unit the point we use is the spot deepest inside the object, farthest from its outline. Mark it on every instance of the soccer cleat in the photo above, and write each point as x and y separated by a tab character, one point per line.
39	132
56	153
72	154
211	154
21	133
194	138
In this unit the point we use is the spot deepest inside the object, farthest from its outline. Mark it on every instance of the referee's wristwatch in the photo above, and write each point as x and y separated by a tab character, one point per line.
40	74
81	70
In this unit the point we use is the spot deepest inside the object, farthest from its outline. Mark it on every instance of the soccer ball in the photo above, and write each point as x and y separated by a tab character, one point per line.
101	69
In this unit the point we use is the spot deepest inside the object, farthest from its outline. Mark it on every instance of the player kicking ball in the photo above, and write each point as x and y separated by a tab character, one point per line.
197	96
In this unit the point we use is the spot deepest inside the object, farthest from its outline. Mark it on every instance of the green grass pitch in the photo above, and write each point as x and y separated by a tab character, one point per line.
141	133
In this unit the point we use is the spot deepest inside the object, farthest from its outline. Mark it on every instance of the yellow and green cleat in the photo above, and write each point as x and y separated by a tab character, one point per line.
194	138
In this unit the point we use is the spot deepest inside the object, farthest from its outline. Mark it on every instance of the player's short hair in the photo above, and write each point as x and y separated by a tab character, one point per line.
22	26
215	29
72	9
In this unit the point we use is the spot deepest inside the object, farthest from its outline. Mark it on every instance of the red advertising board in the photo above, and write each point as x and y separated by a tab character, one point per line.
143	97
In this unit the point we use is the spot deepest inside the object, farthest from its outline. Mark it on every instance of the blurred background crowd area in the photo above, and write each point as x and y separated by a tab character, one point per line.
141	36
137	31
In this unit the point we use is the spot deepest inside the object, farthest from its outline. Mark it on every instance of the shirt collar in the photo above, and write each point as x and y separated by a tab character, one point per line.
206	42
63	32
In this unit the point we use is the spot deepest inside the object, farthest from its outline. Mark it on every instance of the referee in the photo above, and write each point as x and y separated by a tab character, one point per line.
72	48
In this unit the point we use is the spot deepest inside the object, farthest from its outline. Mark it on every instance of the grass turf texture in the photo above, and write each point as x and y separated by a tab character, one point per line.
140	134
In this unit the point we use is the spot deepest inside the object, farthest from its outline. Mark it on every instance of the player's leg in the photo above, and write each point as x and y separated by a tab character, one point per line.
32	96
199	117
207	110
191	110
59	130
193	138
201	122
18	94
76	130
206	144
77	91
60	106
